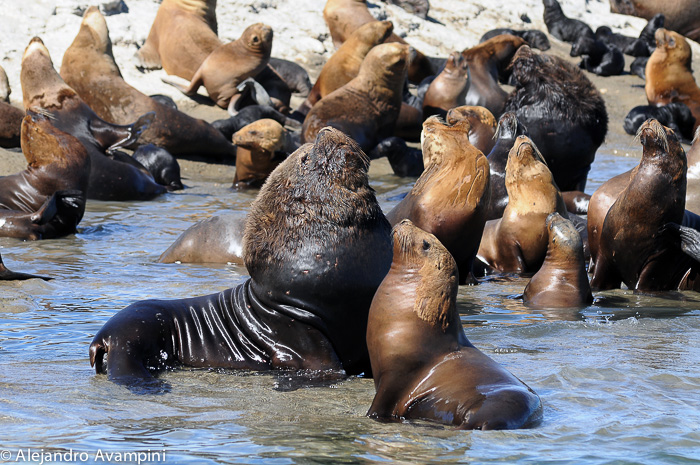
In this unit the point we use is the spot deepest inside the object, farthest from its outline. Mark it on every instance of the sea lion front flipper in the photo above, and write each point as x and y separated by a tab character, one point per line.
250	92
113	136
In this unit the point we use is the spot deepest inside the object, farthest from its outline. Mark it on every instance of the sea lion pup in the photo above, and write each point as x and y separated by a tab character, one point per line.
561	281
482	125
645	44
517	242
9	275
89	68
260	147
619	41
631	248
161	164
563	111
344	64
675	115
561	26
316	246
669	77
533	37
449	88
10	125
682	16
486	62
110	178
343	17
230	64
424	366
46	200
451	197
366	108
598	57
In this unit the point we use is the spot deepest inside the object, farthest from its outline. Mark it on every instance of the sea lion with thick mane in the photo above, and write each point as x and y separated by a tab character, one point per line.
111	177
89	68
424	366
449	88
366	108
563	111
669	77
451	197
46	200
561	281
682	16
316	246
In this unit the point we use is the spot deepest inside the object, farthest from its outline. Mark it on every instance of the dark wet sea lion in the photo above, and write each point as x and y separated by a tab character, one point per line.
111	178
316	246
89	68
449	88
631	249
46	200
674	115
260	147
161	164
9	275
561	281
424	366
451	197
533	37
366	108
561	26
682	16
563	111
598	57
405	161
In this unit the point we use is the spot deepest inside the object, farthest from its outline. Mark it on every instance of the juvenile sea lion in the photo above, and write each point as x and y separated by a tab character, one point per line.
675	115
518	241
161	164
260	147
449	88
645	44
482	125
669	77
250	114
598	57
451	197
111	178
424	366
561	26
46	200
631	249
533	37
316	246
562	280
682	16
9	275
366	108
619	41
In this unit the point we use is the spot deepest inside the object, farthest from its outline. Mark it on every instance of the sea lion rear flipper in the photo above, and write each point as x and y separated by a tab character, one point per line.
113	136
184	86
147	57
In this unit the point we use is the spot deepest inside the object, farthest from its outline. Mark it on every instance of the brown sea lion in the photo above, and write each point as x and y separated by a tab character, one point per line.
9	275
89	68
10	125
260	147
669	76
343	17
451	197
112	177
561	281
316	246
424	366
631	249
601	201
449	88
486	61
682	16
366	108
230	64
517	242
482	125
47	199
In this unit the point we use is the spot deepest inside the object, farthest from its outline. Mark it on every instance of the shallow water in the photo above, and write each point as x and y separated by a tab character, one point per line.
619	380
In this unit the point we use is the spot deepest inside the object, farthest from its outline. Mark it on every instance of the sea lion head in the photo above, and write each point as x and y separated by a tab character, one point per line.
44	144
525	163
388	62
264	134
374	32
509	127
436	295
674	45
457	66
439	140
564	240
41	84
660	142
258	38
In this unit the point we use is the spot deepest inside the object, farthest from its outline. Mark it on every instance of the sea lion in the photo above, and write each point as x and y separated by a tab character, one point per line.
89	68
517	242
366	108
682	16
631	249
260	147
482	125
250	114
424	366
533	37
111	178
343	17
5	89
486	62
161	164
619	41
10	125
675	115
46	200
449	88
599	57
563	111
404	160
561	281
9	275
645	44
561	26
451	197
230	64
316	246
669	77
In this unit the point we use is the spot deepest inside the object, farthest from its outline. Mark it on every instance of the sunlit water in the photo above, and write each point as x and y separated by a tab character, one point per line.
619	380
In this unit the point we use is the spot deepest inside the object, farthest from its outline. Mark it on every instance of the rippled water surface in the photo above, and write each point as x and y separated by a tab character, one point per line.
619	380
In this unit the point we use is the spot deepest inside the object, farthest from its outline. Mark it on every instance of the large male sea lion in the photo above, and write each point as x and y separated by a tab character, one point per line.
110	178
449	88
89	68
367	107
682	16
316	246
424	366
47	199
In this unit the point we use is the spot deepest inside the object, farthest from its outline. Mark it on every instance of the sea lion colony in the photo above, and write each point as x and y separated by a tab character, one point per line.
324	291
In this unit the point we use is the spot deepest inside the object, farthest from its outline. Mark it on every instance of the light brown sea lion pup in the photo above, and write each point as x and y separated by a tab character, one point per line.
561	281
90	69
449	88
366	108
669	76
482	130
517	242
260	147
230	64
424	366
451	197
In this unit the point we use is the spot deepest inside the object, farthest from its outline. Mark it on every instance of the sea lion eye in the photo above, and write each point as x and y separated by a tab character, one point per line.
426	245
255	39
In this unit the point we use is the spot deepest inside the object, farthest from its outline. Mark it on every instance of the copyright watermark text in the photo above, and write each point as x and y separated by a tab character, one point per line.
41	456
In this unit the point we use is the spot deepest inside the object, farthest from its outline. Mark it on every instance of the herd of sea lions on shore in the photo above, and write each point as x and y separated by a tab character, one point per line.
337	287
